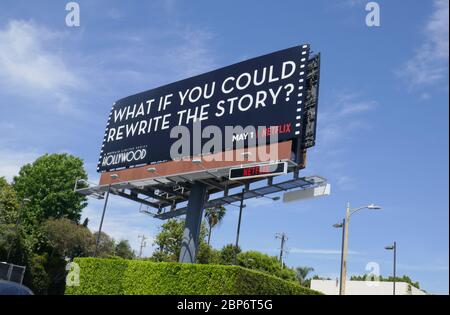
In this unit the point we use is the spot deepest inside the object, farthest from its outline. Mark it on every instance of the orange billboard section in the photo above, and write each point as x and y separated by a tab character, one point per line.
273	152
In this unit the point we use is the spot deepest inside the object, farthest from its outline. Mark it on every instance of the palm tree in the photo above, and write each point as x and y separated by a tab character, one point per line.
214	215
302	273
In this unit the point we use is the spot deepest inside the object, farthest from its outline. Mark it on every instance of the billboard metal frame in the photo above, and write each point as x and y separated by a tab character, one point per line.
188	193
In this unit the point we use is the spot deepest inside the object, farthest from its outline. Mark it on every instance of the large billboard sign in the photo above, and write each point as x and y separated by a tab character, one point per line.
246	103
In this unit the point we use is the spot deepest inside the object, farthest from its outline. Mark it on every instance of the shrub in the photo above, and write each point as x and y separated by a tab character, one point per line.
108	276
270	264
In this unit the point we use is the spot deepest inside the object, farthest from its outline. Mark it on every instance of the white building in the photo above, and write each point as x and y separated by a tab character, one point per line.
331	287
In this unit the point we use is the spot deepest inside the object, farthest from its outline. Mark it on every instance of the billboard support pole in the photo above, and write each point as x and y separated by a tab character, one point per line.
193	223
238	227
101	221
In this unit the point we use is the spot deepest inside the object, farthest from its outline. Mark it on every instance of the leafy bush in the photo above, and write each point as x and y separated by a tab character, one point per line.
112	276
270	264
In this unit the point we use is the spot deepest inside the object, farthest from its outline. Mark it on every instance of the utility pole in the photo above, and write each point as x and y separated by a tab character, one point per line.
241	206
143	244
283	239
344	225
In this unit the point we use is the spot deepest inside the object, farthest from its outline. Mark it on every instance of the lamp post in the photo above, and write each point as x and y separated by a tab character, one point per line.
341	225
283	238
344	225
394	249
16	228
113	176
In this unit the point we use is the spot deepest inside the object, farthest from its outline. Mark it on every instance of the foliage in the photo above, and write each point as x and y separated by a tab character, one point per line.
213	217
106	244
405	279
42	232
67	238
106	276
36	277
227	254
123	249
170	238
48	182
9	204
207	255
302	274
265	263
9	215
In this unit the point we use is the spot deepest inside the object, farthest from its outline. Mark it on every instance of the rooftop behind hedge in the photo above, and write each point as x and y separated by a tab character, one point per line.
119	276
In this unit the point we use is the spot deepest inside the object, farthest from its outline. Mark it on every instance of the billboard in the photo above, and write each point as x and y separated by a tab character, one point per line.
246	103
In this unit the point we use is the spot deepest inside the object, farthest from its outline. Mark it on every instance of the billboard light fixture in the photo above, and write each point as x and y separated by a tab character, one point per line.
114	176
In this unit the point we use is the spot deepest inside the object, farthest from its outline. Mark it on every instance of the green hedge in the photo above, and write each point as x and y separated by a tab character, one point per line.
119	276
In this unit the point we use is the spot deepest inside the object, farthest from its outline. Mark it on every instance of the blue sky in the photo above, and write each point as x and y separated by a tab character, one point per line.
383	113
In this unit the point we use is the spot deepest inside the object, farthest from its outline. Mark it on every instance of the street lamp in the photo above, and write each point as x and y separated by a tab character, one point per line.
344	225
113	177
393	248
341	225
276	198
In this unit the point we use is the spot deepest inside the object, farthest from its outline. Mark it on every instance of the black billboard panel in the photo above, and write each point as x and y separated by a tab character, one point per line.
266	93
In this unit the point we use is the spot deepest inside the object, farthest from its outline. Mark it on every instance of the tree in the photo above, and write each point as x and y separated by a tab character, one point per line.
170	238
48	182
302	274
86	222
9	204
36	277
106	244
214	216
227	254
207	255
8	218
123	249
68	239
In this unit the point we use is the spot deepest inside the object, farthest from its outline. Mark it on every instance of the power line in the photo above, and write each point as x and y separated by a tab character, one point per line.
283	238
143	244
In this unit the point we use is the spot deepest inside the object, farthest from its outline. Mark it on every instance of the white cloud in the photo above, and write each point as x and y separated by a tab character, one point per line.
319	251
342	118
425	267
354	3
12	161
346	182
339	117
193	56
30	61
430	62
